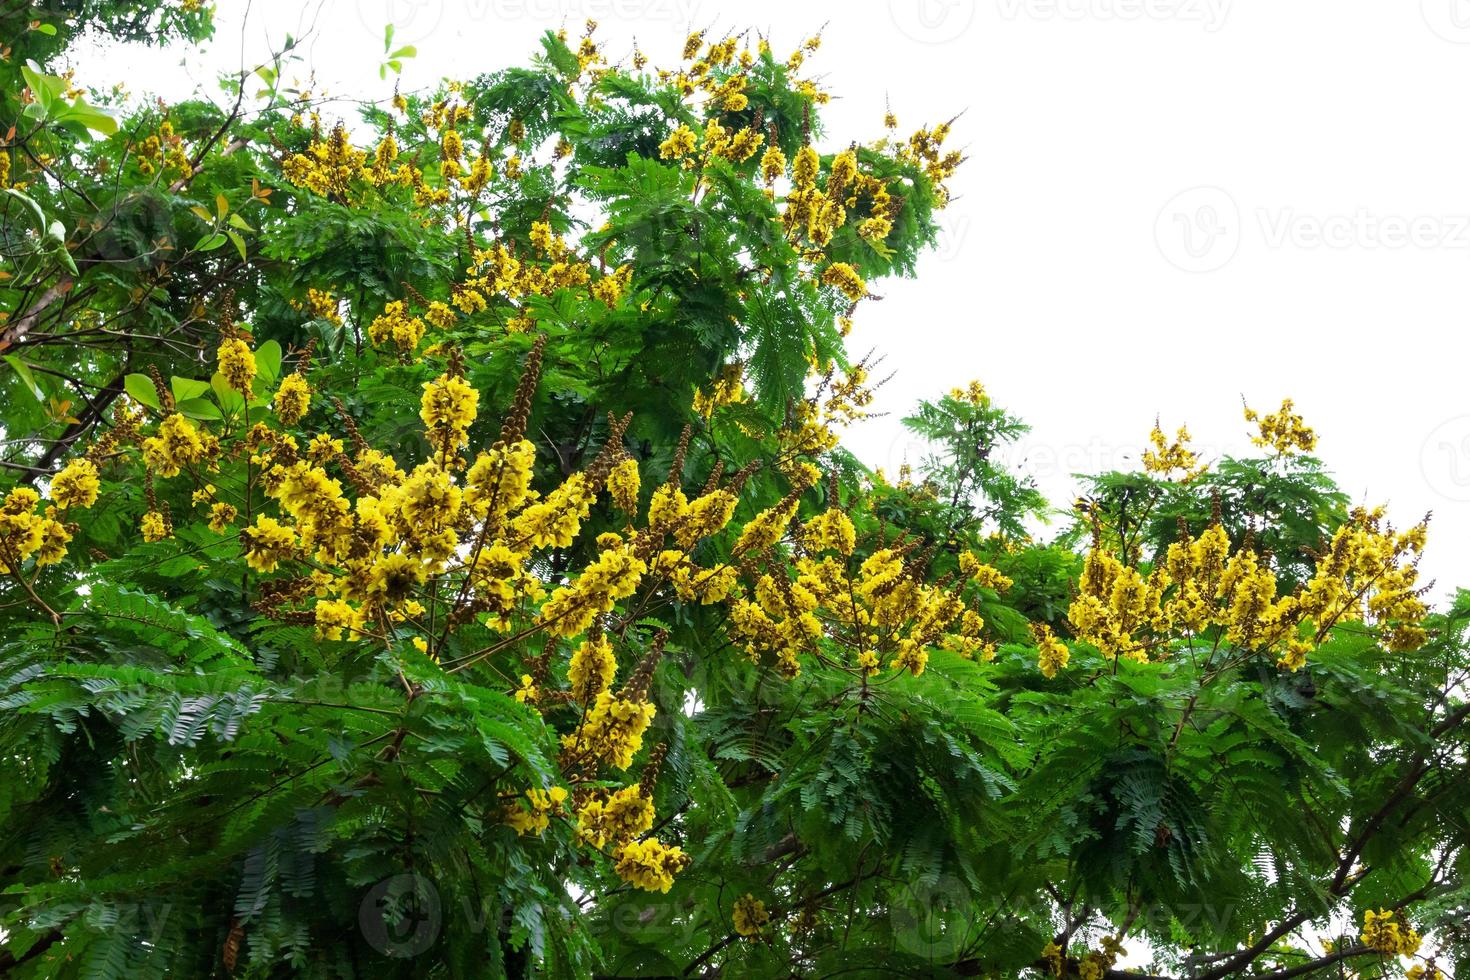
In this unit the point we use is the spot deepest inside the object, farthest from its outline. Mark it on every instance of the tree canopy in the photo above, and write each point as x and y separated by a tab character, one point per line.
427	549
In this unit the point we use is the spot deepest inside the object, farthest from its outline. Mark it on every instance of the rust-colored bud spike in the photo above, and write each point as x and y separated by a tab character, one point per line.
456	363
514	428
676	469
714	478
165	396
354	475
303	363
737	482
350	424
651	769
611	452
641	679
414	294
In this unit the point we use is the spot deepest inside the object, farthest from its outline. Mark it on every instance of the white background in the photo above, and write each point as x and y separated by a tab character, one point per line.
1169	204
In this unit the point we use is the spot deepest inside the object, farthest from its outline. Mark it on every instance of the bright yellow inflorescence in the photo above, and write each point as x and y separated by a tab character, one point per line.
1389	933
1283	432
1368	575
749	916
1166	458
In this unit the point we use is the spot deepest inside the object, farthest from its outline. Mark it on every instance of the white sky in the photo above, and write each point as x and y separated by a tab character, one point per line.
1169	204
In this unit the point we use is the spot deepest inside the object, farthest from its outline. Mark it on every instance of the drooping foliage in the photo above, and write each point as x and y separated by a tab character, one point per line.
428	550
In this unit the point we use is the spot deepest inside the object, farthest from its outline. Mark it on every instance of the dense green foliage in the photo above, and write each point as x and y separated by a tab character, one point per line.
902	773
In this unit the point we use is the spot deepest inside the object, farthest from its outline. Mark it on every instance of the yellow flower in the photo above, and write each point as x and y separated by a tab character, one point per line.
845	278
592	668
237	364
750	915
1284	431
1388	932
267	543
292	398
1052	652
679	143
76	485
533	819
448	409
614	818
649	864
612	730
623	485
221	516
154	527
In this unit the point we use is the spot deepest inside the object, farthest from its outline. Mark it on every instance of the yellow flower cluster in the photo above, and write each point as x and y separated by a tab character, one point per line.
178	445
25	534
649	864
728	389
237	364
884	610
448	409
1388	932
292	399
614	818
397	328
77	485
749	915
1368	574
612	730
845	278
1166	457
1052	653
534	815
1282	431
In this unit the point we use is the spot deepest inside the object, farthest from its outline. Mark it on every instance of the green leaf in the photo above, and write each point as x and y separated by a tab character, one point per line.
239	243
229	399
199	408
140	388
24	371
268	362
186	388
211	242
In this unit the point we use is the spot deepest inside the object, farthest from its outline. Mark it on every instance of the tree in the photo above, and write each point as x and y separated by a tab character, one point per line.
430	551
